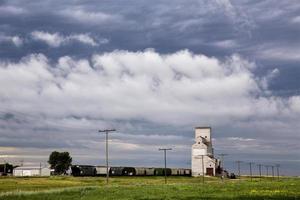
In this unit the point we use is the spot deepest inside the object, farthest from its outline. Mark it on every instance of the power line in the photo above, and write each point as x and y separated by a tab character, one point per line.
106	131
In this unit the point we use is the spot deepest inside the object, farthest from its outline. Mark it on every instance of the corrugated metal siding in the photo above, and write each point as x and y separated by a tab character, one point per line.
31	172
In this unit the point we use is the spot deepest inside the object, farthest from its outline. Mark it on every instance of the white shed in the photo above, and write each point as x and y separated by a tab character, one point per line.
31	171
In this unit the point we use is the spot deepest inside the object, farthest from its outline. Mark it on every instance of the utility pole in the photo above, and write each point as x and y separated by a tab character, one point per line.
4	167
277	167
202	156
165	158
273	172
259	168
106	131
267	167
222	161
239	167
21	162
250	165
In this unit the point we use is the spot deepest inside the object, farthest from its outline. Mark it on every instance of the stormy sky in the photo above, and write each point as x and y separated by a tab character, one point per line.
153	70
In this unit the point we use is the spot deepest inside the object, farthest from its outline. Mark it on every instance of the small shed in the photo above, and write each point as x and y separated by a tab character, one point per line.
31	171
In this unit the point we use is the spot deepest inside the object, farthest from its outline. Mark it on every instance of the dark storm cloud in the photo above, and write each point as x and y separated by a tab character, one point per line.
217	28
54	101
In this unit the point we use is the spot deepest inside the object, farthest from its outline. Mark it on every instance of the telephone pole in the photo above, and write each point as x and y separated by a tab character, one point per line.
250	165
4	167
259	168
273	177
202	156
165	158
277	167
222	165
106	131
40	169
267	167
239	167
222	159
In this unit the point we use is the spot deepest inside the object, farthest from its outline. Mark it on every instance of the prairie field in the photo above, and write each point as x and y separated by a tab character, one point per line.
92	188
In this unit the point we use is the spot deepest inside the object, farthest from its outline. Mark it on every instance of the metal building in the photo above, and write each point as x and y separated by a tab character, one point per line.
203	161
31	171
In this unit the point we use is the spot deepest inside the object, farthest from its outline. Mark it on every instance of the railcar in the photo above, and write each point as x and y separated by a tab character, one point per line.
128	171
161	171
89	170
101	170
187	172
144	171
122	171
83	170
175	171
116	171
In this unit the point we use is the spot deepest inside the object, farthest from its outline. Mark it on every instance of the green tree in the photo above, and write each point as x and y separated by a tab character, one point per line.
60	161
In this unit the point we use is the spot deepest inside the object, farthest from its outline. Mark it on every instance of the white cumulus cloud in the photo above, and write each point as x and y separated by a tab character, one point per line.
57	39
178	88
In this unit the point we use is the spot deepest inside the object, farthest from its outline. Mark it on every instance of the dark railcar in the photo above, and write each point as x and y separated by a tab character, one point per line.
83	170
122	171
128	171
116	171
161	171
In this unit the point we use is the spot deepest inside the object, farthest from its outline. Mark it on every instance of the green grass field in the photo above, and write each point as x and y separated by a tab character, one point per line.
186	188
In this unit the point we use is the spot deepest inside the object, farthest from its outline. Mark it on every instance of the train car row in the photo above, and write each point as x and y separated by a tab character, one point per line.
89	170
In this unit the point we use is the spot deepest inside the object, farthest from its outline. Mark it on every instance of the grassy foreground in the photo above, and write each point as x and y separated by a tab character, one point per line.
146	188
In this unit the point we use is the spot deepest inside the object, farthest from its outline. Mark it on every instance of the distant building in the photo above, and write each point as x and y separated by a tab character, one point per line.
31	171
203	161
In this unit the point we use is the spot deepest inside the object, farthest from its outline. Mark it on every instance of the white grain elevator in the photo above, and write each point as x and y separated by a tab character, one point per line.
203	161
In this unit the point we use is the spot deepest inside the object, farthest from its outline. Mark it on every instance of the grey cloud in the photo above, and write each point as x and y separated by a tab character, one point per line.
11	10
15	40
